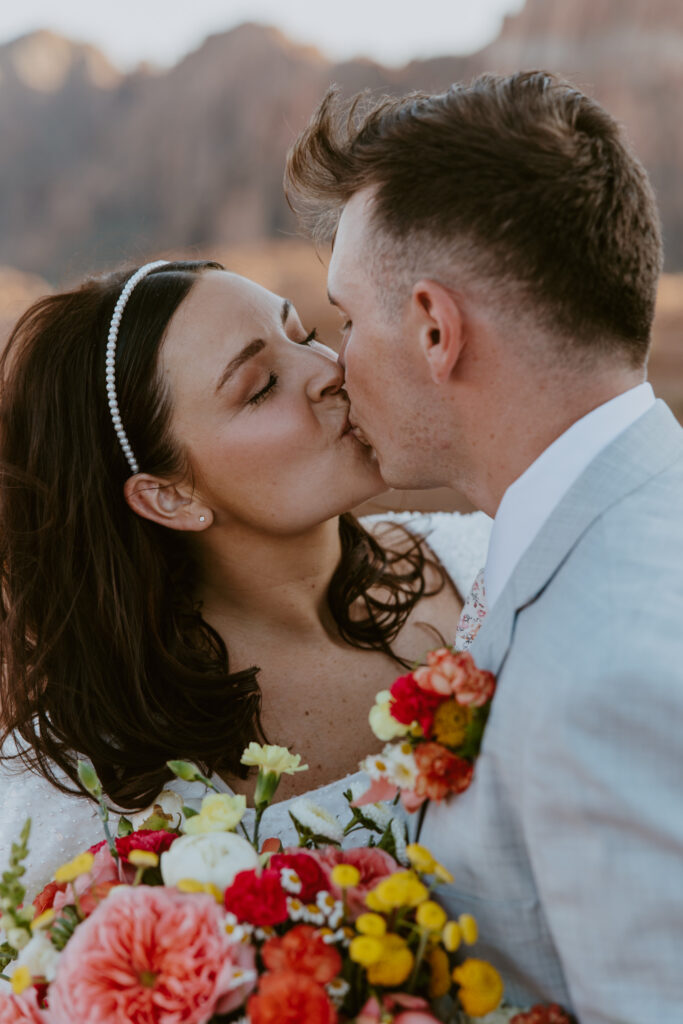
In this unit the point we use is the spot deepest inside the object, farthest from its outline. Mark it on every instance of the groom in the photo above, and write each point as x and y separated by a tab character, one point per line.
495	261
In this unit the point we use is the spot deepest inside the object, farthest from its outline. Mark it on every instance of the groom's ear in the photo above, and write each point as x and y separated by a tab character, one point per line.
167	504
441	329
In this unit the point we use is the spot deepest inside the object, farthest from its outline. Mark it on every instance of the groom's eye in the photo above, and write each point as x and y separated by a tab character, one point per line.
346	327
313	336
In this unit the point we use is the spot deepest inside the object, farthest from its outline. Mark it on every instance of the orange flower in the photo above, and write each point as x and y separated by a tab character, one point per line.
440	772
303	950
285	997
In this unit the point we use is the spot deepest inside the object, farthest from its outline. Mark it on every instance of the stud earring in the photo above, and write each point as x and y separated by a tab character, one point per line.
202	519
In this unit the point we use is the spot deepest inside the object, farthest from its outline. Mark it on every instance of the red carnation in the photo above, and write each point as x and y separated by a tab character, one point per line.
313	877
540	1014
257	898
146	839
440	772
303	950
412	704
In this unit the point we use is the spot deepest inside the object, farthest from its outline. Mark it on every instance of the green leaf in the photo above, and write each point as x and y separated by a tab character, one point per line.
125	827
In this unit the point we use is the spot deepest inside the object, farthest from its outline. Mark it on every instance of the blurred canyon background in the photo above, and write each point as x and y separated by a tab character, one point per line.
101	166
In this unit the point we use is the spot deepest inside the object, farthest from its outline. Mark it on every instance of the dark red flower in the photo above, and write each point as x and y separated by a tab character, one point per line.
412	704
313	877
257	897
539	1014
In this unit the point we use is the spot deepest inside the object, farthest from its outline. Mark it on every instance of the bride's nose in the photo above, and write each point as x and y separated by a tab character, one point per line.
325	378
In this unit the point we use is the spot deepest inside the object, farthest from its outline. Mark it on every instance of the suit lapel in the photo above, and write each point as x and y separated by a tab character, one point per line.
645	449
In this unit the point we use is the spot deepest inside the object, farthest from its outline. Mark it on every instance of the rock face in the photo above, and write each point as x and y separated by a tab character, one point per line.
98	166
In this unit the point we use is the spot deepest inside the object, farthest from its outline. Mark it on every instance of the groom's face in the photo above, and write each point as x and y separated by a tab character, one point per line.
383	371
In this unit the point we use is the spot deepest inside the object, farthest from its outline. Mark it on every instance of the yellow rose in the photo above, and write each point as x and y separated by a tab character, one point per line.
481	987
394	965
439	973
402	889
220	813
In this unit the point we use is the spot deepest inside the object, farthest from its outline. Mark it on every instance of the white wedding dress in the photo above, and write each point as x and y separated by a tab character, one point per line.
64	825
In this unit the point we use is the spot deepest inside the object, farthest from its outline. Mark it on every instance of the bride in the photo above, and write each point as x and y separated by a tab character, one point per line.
180	571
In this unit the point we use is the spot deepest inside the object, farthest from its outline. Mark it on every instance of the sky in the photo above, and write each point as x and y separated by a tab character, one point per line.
162	31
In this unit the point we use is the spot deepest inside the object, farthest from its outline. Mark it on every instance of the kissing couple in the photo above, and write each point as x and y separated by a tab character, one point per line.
181	571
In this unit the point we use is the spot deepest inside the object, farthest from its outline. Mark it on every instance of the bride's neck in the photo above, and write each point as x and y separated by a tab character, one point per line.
254	581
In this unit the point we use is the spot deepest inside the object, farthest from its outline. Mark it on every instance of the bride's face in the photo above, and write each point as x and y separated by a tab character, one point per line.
259	411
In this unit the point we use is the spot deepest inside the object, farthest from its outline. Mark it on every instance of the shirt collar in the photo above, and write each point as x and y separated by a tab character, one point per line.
528	502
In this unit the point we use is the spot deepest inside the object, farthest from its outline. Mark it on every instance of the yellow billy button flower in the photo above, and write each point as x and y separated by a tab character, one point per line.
21	979
345	876
451	936
402	889
468	928
420	858
366	950
80	865
371	924
394	965
143	858
450	723
442	873
220	812
43	920
431	916
439	973
481	987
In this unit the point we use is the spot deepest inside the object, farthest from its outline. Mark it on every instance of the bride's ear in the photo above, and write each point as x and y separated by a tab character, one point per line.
168	504
441	328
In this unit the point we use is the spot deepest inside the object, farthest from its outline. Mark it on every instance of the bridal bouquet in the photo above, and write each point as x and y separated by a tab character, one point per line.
184	919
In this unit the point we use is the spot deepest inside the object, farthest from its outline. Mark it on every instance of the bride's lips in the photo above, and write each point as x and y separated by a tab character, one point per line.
351	428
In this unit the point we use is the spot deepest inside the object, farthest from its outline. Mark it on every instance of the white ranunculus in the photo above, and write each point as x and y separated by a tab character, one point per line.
211	857
40	956
319	821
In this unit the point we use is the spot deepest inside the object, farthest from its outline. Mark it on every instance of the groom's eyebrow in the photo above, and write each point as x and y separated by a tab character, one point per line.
251	349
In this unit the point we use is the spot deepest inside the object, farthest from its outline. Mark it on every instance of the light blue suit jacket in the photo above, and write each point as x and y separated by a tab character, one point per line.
568	847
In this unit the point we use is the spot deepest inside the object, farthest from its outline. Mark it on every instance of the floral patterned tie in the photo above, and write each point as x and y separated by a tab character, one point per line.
472	615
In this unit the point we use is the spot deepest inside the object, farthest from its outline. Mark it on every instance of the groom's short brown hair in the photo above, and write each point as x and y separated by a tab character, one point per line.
522	179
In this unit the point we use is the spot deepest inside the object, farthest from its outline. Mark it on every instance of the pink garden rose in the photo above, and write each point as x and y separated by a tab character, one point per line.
21	1009
151	955
373	865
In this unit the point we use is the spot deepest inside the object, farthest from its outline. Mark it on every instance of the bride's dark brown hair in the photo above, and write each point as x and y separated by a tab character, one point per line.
103	651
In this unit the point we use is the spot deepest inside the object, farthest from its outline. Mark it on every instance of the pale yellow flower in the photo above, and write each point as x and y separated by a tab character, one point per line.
21	979
80	865
382	723
220	812
271	758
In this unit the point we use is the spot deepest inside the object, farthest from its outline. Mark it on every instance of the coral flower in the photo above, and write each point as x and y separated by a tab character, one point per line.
552	1014
414	1010
150	955
285	997
440	772
21	1009
303	950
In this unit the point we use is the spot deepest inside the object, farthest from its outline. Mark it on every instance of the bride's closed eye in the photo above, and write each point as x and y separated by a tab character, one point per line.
313	336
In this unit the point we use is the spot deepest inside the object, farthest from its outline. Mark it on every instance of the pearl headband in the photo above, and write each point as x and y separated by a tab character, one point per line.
110	359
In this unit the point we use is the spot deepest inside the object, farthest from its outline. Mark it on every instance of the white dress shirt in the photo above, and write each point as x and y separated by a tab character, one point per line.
529	501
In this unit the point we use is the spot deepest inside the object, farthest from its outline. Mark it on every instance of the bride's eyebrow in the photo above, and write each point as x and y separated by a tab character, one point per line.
251	349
